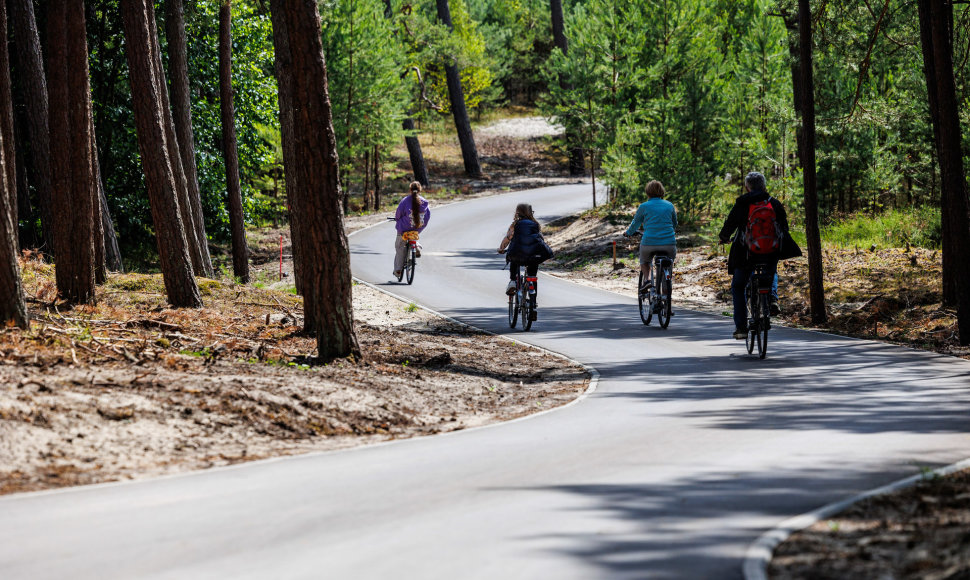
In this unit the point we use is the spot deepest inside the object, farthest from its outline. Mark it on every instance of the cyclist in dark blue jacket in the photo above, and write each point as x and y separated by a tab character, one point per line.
524	245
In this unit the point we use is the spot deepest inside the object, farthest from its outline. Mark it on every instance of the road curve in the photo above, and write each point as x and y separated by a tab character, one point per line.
685	453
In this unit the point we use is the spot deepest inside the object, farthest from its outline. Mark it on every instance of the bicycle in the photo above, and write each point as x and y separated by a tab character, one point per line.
411	255
657	298
757	295
523	301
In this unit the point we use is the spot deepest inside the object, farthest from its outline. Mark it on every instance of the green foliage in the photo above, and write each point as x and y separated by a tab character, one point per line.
893	228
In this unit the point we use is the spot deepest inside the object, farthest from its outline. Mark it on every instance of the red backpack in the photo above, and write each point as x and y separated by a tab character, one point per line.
762	235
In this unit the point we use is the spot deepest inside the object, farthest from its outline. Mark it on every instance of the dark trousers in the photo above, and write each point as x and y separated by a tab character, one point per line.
530	270
738	285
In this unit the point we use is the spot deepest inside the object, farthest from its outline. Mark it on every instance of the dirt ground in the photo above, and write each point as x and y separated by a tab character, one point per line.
889	294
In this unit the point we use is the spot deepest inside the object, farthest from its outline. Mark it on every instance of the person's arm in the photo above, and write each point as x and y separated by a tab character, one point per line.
730	224
637	222
781	215
507	239
427	218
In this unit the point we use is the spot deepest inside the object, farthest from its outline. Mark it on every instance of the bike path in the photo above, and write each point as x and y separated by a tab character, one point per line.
684	454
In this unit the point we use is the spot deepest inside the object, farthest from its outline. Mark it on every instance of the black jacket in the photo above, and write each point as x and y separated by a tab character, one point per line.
736	222
527	246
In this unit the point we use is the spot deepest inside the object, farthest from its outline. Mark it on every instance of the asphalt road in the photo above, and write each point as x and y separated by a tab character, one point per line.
686	452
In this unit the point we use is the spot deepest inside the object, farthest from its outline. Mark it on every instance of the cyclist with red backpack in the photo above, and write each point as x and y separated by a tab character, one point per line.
757	228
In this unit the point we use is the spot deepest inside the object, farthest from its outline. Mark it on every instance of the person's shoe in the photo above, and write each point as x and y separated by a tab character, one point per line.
510	289
417	251
740	334
398	274
533	316
773	307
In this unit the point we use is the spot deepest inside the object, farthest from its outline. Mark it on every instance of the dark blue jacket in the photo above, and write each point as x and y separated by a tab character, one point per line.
527	244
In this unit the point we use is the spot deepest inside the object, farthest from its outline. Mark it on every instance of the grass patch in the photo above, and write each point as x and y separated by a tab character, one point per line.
920	227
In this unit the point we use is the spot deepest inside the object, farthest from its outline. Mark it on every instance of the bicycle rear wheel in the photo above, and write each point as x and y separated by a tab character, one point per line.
666	307
528	311
410	264
646	309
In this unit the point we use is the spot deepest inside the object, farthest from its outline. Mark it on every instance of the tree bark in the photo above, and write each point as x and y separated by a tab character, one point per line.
73	194
414	153
147	88
813	236
240	250
576	154
182	114
327	282
30	61
6	115
935	19
99	211
456	95
283	69
12	306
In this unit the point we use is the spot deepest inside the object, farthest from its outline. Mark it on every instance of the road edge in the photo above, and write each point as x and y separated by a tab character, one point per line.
758	555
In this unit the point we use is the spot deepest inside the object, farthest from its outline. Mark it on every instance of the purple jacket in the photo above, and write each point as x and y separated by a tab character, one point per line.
405	221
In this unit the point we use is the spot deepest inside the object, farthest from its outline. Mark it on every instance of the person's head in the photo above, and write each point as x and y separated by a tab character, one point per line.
415	187
755	181
524	211
655	189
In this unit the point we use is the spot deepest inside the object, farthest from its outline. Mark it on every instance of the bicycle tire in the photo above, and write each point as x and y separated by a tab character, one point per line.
666	306
513	310
646	309
749	340
410	264
763	326
527	309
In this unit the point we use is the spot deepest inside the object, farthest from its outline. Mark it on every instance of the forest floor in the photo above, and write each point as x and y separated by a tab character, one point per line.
887	294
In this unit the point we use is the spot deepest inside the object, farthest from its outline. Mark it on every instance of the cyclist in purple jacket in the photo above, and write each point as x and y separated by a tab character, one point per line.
413	214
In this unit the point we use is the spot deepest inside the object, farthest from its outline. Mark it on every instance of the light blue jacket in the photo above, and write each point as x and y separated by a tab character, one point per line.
658	218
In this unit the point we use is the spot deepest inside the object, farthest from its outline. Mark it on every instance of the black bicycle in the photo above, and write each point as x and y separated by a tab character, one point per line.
656	298
757	296
523	301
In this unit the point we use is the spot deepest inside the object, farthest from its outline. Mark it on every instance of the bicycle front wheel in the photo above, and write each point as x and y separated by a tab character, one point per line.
411	263
528	312
763	326
751	338
513	310
646	309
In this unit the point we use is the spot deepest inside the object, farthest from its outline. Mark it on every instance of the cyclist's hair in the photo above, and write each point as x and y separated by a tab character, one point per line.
415	203
756	181
524	210
655	189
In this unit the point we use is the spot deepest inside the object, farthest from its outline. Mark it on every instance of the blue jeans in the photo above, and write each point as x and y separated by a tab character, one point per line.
738	284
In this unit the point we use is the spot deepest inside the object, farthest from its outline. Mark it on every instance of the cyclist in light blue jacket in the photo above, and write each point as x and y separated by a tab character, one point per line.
658	218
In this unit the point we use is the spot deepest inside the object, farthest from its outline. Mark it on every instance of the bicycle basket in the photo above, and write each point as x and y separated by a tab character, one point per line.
411	236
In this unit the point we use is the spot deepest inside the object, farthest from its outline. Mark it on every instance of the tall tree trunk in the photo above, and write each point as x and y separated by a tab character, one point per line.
327	282
30	61
456	95
182	113
414	153
6	115
12	306
935	19
112	253
283	68
74	192
576	154
813	236
240	250
147	88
